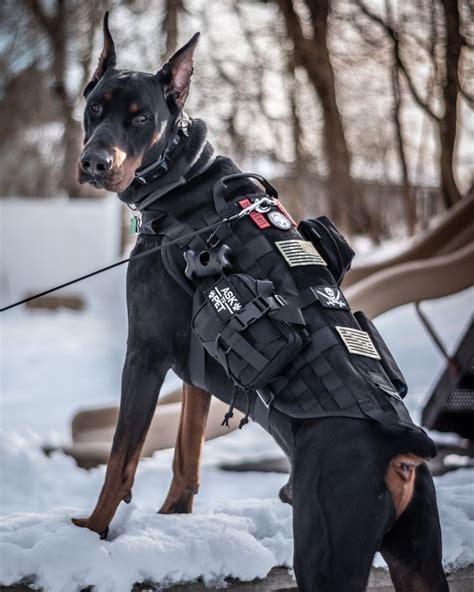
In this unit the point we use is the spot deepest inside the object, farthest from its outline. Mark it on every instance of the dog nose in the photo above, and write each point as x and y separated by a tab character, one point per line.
96	163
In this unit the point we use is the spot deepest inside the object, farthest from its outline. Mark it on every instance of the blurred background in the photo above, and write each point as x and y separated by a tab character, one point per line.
361	110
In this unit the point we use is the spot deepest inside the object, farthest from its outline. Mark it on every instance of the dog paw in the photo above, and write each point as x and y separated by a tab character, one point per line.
178	505
87	523
81	522
127	497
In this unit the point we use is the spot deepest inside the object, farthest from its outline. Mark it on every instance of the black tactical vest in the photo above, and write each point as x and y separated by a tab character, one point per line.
343	367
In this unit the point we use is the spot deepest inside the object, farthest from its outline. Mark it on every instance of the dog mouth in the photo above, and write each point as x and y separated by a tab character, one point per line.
115	181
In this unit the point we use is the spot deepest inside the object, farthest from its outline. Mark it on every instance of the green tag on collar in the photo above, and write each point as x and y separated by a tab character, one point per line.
133	229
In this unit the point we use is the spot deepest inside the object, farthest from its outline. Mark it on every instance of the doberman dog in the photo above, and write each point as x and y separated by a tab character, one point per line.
356	486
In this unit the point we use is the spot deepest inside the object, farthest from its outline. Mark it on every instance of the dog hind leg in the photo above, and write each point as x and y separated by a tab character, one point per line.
187	453
412	547
140	389
341	508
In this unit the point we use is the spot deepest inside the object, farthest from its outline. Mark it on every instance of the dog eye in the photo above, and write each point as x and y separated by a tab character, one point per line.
96	109
140	118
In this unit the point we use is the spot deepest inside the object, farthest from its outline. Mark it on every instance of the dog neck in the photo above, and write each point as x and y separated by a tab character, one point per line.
190	154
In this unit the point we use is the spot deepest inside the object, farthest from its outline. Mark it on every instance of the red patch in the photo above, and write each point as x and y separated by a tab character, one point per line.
256	217
284	212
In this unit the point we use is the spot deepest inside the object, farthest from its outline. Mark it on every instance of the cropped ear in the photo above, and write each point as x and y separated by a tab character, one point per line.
175	75
107	57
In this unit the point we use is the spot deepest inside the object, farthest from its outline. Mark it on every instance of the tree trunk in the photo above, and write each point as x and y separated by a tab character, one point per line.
72	146
448	121
407	190
346	207
301	164
55	27
170	25
408	197
71	141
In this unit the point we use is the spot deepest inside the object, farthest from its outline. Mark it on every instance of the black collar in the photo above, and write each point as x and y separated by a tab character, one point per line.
149	184
160	167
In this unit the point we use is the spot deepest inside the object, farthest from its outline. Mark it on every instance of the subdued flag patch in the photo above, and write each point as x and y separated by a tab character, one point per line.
358	342
299	252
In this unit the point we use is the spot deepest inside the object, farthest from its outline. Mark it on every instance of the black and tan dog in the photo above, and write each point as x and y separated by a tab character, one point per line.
356	487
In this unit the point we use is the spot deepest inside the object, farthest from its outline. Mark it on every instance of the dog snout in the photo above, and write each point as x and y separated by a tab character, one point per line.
96	164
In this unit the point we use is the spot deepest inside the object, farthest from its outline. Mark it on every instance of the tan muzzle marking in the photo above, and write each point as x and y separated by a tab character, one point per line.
119	157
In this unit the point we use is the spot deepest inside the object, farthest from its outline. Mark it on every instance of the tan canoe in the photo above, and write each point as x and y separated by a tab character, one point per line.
93	429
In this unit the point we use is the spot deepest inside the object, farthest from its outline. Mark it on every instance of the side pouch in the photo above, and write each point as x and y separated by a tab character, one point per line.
387	360
330	243
251	331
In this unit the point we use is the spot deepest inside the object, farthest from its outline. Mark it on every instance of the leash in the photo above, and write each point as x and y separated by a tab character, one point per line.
259	202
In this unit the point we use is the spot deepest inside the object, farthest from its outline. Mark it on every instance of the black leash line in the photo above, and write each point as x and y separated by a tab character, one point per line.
132	258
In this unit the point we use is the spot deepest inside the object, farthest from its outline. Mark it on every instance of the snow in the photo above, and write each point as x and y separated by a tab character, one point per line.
366	253
147	547
53	363
238	529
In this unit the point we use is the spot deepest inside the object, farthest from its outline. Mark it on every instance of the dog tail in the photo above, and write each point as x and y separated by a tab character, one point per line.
414	441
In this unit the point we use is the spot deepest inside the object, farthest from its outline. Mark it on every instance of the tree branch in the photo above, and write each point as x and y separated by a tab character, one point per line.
393	34
302	45
469	98
34	6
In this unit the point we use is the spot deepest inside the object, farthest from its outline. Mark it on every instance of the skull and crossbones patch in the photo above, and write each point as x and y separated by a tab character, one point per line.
330	297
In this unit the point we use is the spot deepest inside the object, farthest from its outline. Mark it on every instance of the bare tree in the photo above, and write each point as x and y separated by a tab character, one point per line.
446	116
56	25
448	121
169	25
311	52
301	166
408	197
302	99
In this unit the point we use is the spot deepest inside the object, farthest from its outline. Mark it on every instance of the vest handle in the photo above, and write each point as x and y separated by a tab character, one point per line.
221	188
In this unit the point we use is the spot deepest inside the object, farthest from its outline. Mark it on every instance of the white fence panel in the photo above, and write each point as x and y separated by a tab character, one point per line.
44	242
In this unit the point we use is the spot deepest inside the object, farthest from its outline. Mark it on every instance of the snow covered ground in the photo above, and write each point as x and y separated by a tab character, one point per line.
238	529
53	363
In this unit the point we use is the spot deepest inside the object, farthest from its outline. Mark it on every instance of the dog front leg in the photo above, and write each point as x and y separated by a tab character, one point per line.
187	453
140	388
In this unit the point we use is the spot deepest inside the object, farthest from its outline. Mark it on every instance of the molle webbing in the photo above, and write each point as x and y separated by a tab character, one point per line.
324	379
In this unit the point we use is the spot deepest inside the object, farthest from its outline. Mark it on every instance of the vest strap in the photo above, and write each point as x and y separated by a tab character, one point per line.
263	407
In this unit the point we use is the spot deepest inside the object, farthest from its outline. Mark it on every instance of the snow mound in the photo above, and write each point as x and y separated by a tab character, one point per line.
243	538
145	546
228	535
455	492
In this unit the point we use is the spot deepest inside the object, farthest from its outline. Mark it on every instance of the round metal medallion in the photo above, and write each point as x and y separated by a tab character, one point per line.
279	220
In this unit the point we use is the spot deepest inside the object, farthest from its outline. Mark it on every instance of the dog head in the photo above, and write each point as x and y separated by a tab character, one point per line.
128	115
